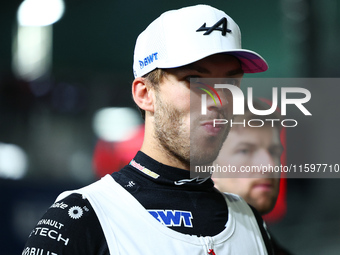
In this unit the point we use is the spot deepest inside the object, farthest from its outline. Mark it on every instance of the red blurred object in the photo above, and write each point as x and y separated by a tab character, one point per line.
110	157
280	208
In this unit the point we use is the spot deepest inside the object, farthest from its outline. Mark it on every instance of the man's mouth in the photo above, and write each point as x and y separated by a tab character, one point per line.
211	129
264	186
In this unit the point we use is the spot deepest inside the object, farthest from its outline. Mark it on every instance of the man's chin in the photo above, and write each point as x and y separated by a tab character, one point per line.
264	207
202	158
205	151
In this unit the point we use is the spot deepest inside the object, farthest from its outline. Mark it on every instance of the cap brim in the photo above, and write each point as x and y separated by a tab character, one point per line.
251	61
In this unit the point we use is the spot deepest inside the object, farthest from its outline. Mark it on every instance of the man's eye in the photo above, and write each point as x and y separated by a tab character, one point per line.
276	152
232	81
244	151
192	79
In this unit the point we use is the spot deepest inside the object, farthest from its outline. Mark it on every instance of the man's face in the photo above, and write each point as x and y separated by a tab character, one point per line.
185	133
248	146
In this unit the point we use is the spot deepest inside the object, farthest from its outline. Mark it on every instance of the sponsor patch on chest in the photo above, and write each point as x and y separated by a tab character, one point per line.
173	218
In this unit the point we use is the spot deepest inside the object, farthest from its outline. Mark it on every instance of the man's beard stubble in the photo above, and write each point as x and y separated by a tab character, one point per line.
174	137
170	131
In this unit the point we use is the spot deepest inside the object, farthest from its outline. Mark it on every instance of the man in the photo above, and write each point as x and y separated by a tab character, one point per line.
151	206
252	148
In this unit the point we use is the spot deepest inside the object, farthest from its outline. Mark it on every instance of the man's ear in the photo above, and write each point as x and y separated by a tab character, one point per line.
142	94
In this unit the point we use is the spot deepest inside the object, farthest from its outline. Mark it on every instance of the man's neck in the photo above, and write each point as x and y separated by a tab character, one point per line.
160	154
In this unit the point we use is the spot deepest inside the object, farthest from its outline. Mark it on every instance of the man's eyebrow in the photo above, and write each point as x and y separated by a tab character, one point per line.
278	146
250	144
235	72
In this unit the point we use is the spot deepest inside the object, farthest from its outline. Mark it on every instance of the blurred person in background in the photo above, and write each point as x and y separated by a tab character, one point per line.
253	146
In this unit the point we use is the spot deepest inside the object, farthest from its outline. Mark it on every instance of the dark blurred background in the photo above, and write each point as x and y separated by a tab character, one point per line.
51	109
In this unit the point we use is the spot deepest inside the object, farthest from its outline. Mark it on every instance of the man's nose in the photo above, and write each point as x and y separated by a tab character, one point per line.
266	158
217	100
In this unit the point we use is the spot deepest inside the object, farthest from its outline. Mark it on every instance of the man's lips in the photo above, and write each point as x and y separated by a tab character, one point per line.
210	129
265	186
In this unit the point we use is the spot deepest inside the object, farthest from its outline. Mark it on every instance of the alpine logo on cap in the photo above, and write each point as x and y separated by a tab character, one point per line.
224	30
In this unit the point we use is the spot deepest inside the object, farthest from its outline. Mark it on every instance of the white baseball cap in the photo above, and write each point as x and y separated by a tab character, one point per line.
180	37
